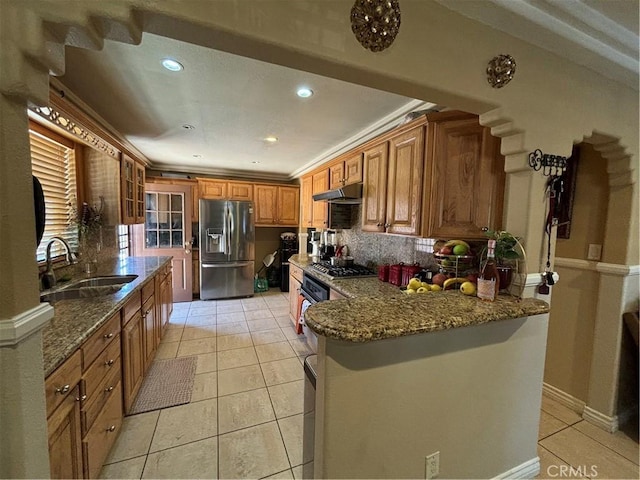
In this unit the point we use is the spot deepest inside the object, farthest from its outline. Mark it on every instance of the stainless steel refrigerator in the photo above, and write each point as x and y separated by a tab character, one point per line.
227	246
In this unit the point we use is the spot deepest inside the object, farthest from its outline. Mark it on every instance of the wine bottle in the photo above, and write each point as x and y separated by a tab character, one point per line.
488	280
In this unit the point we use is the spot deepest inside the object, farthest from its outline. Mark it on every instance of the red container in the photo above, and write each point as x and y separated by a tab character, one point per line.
383	273
408	271
395	274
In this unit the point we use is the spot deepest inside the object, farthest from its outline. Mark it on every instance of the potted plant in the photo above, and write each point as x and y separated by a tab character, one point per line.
507	251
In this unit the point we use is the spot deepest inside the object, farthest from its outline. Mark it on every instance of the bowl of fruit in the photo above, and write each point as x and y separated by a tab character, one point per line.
455	257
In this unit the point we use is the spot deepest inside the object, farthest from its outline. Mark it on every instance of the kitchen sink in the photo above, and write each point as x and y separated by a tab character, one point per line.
79	292
102	281
88	288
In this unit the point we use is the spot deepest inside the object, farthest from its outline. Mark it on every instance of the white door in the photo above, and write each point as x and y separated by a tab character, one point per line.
167	232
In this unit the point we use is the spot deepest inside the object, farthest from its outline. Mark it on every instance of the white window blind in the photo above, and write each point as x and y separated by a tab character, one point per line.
54	165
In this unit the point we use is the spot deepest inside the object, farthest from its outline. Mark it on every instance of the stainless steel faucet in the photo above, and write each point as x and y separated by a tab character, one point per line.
48	276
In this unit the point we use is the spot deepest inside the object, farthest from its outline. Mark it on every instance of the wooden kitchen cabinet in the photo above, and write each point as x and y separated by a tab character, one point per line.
132	178
164	301
393	176
212	189
464	178
240	191
276	205
320	183
346	172
133	354
306	199
294	298
149	318
374	191
62	396
404	184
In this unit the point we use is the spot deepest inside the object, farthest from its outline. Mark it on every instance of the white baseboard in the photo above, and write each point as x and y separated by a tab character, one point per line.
605	422
14	330
528	469
564	398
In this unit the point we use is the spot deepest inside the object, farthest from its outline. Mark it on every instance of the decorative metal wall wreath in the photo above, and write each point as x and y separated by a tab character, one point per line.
501	70
375	23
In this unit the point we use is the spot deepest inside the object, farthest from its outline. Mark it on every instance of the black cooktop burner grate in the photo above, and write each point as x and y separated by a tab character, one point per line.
342	272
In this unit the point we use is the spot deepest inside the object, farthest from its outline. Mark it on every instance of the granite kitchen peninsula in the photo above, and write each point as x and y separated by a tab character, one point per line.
401	377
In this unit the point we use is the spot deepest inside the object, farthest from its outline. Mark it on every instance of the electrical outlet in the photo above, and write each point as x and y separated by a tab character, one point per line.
595	251
432	465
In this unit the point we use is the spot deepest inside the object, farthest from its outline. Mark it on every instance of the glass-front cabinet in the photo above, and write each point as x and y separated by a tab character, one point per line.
132	191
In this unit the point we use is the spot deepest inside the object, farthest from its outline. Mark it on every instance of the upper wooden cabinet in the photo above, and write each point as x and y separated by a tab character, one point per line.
212	189
464	178
240	191
320	183
276	205
132	191
306	195
392	197
346	171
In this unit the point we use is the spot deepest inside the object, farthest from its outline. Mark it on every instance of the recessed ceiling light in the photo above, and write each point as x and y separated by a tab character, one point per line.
271	139
172	65
304	92
186	126
255	161
196	155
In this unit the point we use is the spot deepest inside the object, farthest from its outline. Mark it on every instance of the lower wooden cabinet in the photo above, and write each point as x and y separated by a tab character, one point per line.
101	436
150	328
65	450
294	298
196	273
132	358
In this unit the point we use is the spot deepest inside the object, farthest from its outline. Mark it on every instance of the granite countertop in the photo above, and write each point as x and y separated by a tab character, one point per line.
376	310
75	320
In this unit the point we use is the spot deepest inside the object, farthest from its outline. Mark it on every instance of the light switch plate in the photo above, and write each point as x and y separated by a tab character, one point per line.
595	251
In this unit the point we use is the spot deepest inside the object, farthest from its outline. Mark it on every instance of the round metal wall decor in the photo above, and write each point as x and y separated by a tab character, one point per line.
375	23
501	70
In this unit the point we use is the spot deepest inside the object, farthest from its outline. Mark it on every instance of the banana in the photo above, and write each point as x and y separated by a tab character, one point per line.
453	243
452	281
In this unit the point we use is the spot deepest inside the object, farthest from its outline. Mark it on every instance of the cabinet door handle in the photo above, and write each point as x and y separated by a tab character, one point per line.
81	398
108	335
387	225
378	224
63	390
112	428
108	363
109	389
147	312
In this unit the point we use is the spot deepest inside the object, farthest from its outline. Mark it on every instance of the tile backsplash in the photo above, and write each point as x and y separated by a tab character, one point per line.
380	248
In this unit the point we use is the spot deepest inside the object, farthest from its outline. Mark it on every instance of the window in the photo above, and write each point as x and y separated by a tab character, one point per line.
53	163
123	240
164	223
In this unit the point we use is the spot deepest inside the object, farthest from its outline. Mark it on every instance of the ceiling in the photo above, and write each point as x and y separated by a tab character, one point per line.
233	103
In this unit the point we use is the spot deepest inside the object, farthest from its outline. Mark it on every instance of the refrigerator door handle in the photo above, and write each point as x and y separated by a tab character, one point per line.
226	265
227	226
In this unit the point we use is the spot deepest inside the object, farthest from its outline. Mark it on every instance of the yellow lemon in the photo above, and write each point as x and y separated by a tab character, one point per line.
410	291
468	288
422	290
435	288
425	285
414	283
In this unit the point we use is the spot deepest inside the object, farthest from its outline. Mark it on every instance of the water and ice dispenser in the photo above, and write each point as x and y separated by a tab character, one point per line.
215	240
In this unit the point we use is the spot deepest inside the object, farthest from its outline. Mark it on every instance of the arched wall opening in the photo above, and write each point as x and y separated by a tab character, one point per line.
440	57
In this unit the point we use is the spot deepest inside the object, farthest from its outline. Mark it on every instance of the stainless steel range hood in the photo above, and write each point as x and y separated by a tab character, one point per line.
347	194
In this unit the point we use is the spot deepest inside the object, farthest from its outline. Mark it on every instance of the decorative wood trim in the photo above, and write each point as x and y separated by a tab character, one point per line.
600	267
58	117
14	330
528	469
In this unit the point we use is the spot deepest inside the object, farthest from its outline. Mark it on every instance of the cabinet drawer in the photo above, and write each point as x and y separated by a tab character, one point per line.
60	383
130	308
100	437
147	290
295	272
99	340
106	389
106	362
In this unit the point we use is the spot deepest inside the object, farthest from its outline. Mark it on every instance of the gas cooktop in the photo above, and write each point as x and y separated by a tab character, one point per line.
333	272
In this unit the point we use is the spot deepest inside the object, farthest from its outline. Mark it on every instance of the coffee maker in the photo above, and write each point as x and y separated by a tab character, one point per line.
328	244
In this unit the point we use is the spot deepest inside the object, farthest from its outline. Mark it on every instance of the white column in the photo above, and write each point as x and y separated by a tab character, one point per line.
23	423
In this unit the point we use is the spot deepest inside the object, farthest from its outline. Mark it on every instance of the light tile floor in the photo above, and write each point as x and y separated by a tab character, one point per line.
245	416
